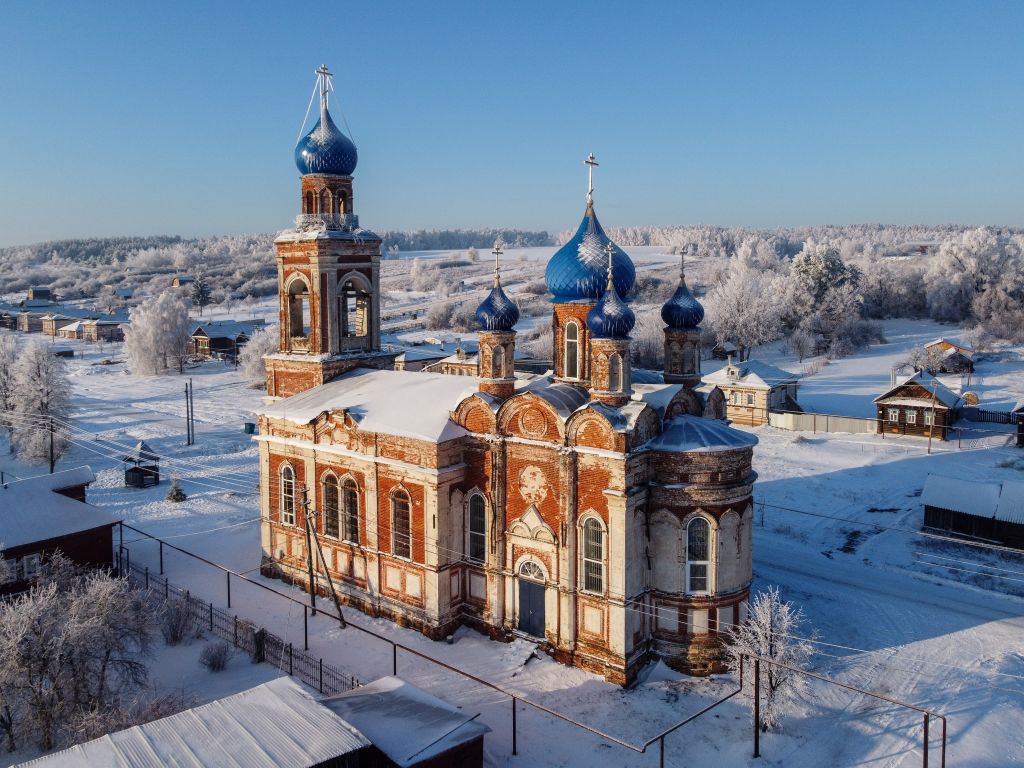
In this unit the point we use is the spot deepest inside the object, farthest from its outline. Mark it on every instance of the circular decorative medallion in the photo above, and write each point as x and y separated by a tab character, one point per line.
533	487
533	422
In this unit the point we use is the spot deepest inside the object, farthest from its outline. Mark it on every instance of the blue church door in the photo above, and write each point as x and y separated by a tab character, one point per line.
531	608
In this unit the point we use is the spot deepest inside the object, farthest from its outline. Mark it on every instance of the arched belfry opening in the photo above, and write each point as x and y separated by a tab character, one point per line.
298	314
355	311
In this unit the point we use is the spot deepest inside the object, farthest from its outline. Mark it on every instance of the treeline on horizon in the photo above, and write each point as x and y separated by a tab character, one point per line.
241	266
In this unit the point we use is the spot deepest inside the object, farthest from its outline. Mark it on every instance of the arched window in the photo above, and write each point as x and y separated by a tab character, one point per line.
698	544
332	522
530	570
354	310
298	309
308	206
287	495
572	350
401	525
350	510
615	373
325	201
477	528
593	556
498	363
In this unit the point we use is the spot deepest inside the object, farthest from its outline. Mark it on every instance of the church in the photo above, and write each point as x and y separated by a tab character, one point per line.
604	517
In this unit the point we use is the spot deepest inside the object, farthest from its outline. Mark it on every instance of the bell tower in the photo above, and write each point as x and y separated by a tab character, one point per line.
328	269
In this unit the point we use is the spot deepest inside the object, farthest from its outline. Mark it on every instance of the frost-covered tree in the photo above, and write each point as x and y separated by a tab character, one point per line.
8	362
200	293
800	344
745	309
40	404
773	631
158	335
265	341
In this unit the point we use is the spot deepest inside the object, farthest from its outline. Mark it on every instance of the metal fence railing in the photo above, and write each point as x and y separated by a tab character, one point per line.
261	644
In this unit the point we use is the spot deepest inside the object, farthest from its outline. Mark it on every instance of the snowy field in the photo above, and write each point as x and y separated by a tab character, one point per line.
894	613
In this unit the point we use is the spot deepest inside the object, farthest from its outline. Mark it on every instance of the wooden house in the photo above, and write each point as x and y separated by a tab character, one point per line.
41	515
752	389
181	280
30	322
724	350
221	338
71	330
988	511
920	405
417	359
40	293
944	356
103	330
1018	416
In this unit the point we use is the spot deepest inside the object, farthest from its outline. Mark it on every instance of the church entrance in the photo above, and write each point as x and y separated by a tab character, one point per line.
531	599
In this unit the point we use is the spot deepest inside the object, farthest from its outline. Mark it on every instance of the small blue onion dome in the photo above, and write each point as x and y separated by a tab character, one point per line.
325	149
578	270
682	311
611	318
497	312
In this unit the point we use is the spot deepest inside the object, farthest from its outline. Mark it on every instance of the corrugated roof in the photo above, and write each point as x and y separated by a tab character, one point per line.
405	723
969	497
1011	502
271	725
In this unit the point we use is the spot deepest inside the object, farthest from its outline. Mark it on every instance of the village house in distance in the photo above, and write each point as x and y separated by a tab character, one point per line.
606	519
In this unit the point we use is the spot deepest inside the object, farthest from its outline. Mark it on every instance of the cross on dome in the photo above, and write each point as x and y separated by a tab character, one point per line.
497	268
610	249
323	79
590	162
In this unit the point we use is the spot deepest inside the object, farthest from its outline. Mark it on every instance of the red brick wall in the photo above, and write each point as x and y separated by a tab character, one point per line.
385	485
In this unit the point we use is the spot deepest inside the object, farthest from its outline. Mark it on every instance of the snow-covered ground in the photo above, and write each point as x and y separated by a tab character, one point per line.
891	616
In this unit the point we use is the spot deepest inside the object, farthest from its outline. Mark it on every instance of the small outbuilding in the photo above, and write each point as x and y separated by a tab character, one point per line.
142	467
945	356
41	515
988	511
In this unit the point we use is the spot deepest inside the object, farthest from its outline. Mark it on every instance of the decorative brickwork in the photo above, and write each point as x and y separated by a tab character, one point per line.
682	356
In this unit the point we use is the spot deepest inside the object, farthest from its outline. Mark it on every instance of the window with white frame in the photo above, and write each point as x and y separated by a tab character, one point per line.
287	491
332	522
750	399
894	415
929	417
911	417
698	545
593	555
401	524
350	510
572	350
477	528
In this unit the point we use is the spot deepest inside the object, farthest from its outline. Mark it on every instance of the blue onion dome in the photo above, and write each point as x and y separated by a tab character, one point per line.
497	312
682	311
325	149
611	318
577	271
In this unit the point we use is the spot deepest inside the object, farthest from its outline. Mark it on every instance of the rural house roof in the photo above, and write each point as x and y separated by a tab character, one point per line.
32	510
752	374
944	396
225	329
998	501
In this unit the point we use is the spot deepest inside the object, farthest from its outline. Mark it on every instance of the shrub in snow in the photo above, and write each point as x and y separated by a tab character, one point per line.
176	622
262	342
8	361
215	656
40	404
772	632
438	317
176	494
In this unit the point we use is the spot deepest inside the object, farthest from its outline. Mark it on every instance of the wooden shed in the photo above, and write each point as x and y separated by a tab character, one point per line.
142	467
988	511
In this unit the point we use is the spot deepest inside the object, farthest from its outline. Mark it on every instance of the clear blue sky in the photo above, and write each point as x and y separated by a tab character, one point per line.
178	117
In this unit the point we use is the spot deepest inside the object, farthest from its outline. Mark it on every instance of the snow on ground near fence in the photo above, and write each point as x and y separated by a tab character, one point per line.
938	637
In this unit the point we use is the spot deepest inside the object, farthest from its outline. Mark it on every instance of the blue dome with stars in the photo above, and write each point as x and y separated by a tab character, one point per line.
497	312
611	318
578	270
682	311
325	149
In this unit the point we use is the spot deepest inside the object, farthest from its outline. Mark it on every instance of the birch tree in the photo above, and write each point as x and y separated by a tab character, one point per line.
158	335
8	360
262	342
40	404
772	632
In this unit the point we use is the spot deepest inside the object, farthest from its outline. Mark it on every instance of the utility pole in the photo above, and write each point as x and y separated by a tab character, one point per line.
52	460
309	549
192	410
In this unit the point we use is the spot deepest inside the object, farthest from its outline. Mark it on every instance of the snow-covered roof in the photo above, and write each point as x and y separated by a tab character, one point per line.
141	454
409	355
564	398
943	394
645	376
752	374
403	403
970	497
31	510
271	725
1011	502
405	723
692	434
658	396
225	329
75	326
966	351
